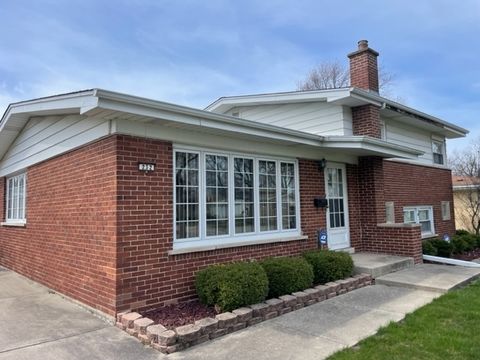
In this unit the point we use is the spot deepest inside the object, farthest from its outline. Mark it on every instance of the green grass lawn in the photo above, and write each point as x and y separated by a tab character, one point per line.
448	328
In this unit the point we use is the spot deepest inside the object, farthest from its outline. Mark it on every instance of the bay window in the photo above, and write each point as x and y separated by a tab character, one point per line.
222	197
15	199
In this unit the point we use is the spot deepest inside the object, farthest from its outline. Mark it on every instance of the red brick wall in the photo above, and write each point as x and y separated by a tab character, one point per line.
397	239
68	243
147	275
312	184
366	121
412	185
354	207
364	69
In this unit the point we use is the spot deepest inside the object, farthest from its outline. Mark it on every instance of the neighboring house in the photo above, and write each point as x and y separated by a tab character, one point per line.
117	201
466	202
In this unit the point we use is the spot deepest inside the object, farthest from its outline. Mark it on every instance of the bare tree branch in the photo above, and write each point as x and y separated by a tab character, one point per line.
334	75
466	165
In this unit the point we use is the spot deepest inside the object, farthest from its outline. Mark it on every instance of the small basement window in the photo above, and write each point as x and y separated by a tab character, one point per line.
438	149
15	199
446	211
422	215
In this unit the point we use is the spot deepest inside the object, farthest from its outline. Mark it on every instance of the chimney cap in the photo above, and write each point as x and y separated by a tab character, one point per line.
362	47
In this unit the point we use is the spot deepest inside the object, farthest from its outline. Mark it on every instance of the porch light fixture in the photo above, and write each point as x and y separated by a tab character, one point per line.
321	164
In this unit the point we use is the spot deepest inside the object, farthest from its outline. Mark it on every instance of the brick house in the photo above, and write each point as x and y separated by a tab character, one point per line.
116	201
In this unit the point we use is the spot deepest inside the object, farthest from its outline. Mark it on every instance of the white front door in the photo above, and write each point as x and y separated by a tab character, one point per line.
337	211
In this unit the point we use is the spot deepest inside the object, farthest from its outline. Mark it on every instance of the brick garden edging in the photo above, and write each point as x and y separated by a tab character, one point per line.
182	337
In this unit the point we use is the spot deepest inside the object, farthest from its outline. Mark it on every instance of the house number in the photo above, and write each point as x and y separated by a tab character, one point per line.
146	167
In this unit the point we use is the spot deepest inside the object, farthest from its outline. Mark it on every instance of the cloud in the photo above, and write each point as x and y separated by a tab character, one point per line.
192	52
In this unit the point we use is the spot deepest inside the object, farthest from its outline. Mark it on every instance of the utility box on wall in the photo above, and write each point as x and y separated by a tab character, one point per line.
320	202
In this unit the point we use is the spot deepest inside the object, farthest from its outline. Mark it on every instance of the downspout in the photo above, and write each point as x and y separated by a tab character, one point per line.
449	261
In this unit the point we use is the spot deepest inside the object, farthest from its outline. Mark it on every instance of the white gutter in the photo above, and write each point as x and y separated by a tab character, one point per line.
203	116
449	261
384	102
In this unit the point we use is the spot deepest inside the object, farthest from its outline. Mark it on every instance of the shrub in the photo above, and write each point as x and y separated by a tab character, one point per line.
463	242
477	238
470	241
428	248
329	265
462	232
444	248
287	275
232	286
459	244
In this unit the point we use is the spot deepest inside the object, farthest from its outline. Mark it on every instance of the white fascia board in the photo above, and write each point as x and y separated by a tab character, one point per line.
370	96
49	104
224	104
19	113
371	145
194	117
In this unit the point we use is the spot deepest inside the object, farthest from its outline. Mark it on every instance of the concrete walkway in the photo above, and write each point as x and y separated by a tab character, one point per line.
36	324
431	277
317	331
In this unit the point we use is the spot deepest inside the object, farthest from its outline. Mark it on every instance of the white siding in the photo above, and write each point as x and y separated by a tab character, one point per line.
318	118
44	137
402	134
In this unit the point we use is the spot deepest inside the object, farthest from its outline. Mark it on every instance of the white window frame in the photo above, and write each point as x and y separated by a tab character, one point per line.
416	210
443	153
383	130
18	218
446	211
234	237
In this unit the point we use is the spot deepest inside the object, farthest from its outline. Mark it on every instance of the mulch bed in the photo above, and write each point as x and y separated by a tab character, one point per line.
175	315
468	256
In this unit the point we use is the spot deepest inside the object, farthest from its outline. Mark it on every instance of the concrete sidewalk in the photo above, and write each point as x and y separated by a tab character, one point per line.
40	325
317	331
36	324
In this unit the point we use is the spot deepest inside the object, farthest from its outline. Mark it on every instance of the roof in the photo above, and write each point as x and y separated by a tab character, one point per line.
95	102
461	182
349	96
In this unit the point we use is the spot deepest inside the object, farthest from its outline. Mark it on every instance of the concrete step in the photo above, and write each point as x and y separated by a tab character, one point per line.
348	250
379	264
430	277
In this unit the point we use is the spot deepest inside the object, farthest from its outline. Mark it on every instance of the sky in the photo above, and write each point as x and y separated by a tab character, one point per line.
192	52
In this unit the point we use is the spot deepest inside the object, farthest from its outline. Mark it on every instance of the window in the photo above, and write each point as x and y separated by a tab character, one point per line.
390	212
268	195
216	178
383	131
187	195
446	214
422	215
15	199
438	152
231	197
336	204
289	203
244	195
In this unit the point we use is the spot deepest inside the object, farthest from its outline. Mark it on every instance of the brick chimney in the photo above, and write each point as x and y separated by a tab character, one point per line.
364	68
364	75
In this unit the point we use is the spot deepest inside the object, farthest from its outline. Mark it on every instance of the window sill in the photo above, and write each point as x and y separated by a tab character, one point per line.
236	244
429	236
14	224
